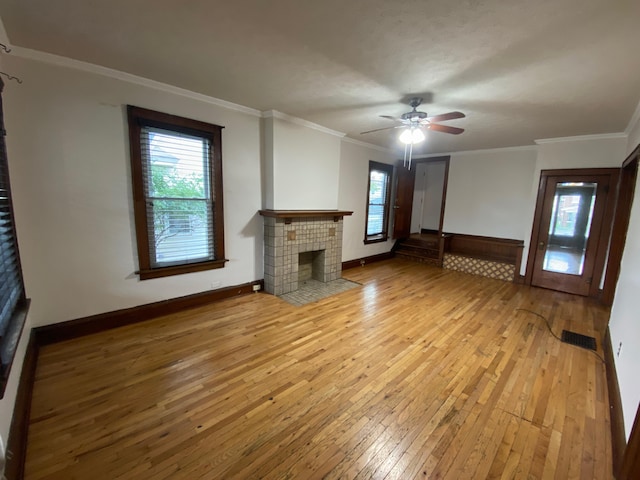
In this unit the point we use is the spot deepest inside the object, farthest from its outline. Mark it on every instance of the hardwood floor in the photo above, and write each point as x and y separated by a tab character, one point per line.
420	373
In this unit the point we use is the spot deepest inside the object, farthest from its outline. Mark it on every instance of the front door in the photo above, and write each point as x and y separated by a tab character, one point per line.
568	240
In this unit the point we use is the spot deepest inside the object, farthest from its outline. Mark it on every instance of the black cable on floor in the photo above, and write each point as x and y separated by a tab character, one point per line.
552	333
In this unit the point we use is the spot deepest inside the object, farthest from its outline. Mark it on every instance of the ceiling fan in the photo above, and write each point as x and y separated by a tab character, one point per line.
414	122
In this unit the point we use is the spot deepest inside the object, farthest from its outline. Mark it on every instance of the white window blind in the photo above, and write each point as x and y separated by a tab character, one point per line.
378	194
179	200
13	304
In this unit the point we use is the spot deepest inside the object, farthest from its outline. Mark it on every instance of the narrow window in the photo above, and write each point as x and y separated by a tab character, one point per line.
176	167
13	304
378	199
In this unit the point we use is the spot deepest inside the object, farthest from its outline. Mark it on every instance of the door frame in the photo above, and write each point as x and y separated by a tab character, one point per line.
624	200
440	158
402	201
605	230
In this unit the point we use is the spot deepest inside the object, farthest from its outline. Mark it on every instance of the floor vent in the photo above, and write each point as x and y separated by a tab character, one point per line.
579	340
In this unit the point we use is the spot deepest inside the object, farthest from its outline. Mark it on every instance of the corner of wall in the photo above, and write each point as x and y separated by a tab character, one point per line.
633	130
266	161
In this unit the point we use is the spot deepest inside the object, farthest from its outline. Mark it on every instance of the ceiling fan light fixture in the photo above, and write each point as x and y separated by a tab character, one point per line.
411	136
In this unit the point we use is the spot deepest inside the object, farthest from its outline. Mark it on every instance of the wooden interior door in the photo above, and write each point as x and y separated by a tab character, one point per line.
403	204
568	235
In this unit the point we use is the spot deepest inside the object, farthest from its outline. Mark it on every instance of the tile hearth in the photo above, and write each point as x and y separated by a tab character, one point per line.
312	290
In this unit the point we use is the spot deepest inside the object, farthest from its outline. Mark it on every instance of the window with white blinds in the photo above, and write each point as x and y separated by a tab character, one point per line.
177	179
379	195
12	297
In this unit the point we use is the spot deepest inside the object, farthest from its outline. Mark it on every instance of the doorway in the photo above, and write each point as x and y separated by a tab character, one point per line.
405	207
571	230
427	197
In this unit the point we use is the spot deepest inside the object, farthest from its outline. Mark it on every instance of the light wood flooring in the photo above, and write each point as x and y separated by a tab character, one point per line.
420	373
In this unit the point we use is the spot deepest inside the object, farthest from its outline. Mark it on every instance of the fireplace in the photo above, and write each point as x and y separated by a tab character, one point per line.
301	245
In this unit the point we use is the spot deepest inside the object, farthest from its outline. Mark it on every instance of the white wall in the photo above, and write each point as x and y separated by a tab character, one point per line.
354	176
488	191
72	192
598	151
427	196
419	188
624	323
432	205
306	167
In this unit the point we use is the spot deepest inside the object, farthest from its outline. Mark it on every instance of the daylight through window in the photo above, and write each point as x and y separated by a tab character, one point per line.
379	194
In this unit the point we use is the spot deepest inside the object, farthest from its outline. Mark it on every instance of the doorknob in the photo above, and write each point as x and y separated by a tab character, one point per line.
541	246
396	206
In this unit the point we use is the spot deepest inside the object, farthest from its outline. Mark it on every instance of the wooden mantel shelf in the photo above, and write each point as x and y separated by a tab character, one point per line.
289	214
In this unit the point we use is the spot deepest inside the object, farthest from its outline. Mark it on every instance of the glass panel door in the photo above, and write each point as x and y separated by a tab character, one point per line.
569	228
569	231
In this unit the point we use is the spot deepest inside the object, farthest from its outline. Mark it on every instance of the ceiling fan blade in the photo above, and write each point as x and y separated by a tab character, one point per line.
445	128
446	116
380	129
390	117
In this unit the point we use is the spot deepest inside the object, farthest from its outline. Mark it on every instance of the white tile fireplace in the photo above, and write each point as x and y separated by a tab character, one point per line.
301	245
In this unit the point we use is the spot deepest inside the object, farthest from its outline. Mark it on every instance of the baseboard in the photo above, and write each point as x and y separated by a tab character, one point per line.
18	432
618	438
59	332
19	429
360	262
630	469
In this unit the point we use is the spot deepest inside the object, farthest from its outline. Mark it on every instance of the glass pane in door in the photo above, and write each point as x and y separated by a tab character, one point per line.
569	228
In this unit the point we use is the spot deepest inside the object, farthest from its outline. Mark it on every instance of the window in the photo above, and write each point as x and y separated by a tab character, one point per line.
176	166
13	304
378	202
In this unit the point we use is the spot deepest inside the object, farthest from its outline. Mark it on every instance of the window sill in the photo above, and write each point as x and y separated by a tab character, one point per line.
148	274
10	342
375	239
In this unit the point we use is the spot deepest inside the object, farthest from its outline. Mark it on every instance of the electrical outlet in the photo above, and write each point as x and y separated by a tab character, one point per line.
215	284
256	288
619	350
362	263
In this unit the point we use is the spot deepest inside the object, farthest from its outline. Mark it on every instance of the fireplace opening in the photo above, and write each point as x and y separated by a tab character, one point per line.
311	266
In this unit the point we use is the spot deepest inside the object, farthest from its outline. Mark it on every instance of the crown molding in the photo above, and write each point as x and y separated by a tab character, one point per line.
524	148
360	143
581	138
300	121
60	61
633	121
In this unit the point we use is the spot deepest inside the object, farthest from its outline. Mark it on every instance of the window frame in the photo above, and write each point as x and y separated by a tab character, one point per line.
17	317
138	119
384	235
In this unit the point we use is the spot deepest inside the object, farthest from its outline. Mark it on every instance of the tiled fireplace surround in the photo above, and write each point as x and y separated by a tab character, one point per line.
288	233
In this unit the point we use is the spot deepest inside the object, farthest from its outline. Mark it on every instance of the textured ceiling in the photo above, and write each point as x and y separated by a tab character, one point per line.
520	70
